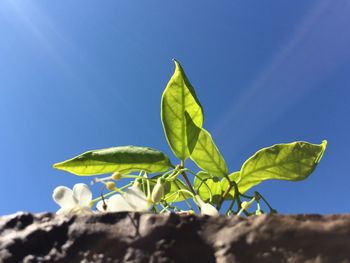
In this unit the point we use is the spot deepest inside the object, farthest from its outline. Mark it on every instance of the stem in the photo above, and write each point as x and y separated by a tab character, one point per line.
183	195
231	206
206	185
177	192
119	190
188	170
168	206
236	196
155	208
246	196
173	175
186	178
131	176
265	201
148	186
143	183
165	209
227	191
167	174
244	209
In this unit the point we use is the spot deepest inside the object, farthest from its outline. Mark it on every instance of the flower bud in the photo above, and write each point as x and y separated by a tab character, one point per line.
158	190
191	212
136	183
198	200
259	212
116	176
206	208
110	186
209	210
245	205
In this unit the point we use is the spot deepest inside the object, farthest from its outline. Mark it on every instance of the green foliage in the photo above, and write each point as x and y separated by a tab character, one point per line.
122	158
208	187
234	177
178	97
292	162
182	119
203	150
172	195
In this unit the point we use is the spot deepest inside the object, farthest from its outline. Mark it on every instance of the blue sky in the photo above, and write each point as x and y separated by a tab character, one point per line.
81	75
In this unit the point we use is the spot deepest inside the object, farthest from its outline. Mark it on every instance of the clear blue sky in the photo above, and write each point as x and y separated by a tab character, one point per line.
80	75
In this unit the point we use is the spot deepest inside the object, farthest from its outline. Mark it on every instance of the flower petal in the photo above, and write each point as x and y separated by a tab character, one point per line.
82	194
137	199
100	207
63	196
64	211
77	210
117	203
82	210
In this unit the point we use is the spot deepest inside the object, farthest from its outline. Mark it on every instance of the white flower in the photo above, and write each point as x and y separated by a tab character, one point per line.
115	203
206	208
132	200
76	201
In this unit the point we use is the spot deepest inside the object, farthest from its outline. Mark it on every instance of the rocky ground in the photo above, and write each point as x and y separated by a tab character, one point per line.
135	237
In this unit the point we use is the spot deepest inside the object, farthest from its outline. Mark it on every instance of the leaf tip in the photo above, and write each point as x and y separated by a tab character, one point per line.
177	64
57	166
324	146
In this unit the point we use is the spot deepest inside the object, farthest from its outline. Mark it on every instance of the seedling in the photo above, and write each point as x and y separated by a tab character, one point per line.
155	184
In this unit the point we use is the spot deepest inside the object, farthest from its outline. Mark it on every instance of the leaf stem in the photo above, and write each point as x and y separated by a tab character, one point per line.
155	209
206	185
227	191
148	185
181	166
110	193
183	195
265	201
236	197
244	209
230	206
165	209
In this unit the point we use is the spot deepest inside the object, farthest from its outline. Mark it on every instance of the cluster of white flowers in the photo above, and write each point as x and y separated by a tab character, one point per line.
79	200
73	201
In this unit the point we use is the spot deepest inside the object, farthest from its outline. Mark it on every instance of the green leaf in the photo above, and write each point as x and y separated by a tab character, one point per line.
203	150
202	182
234	177
292	161
122	158
173	187
178	97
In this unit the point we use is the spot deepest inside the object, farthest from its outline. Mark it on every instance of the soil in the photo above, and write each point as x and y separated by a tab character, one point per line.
137	237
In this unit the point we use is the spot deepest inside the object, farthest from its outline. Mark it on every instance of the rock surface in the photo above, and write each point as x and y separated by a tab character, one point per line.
134	237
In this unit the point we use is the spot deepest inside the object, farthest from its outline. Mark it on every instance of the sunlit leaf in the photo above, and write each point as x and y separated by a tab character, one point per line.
202	182
203	150
122	158
172	187
292	161
178	97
